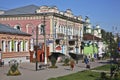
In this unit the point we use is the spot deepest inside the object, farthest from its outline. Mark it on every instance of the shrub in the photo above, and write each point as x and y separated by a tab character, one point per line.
116	76
103	75
53	62
92	59
66	62
13	69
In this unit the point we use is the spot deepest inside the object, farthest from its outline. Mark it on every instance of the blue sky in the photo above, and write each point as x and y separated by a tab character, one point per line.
106	13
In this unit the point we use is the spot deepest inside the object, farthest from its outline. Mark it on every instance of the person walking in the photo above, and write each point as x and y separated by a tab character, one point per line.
86	61
72	64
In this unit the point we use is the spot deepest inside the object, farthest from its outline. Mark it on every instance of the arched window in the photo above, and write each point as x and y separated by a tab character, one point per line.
15	46
59	29
41	29
9	46
26	46
17	27
3	45
30	28
21	45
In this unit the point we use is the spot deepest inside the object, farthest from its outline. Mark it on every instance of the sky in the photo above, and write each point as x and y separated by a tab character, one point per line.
105	13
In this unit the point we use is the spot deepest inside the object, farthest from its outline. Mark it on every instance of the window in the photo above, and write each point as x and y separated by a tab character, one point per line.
17	27
9	46
25	45
30	28
41	29
3	45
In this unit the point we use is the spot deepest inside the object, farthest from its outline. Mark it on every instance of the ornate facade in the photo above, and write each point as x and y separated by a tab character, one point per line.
94	30
61	28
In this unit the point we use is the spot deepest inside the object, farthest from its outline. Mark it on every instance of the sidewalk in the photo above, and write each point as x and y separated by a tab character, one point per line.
29	73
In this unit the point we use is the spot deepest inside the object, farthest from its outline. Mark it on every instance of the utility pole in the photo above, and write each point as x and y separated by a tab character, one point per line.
111	71
66	39
44	33
36	48
93	41
54	34
77	47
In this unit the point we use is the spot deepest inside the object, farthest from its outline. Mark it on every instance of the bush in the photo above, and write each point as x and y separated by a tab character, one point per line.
116	76
92	59
13	69
53	62
66	62
103	75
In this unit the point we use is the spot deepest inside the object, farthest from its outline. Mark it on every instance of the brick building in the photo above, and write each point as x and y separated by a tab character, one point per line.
14	44
62	28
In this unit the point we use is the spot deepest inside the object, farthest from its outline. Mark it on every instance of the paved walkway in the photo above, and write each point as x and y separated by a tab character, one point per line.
29	73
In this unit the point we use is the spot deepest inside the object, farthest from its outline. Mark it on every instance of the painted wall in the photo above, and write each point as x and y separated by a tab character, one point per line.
88	50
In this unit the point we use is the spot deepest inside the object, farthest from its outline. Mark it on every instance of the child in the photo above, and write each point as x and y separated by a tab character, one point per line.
72	64
86	60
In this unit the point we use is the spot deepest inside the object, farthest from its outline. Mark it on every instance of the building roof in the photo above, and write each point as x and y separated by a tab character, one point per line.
9	30
30	9
90	37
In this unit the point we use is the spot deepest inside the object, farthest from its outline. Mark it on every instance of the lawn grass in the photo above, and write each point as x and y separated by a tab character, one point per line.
104	67
86	75
83	75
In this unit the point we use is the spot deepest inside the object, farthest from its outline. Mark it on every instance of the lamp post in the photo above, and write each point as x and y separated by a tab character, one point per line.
93	40
66	38
54	35
111	71
44	33
36	48
77	49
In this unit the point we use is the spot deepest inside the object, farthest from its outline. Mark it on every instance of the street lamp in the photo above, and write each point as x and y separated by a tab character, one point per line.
44	33
36	48
93	40
111	71
77	47
54	35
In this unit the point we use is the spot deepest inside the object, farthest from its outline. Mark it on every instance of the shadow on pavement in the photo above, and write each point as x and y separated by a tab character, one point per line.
26	68
107	62
67	69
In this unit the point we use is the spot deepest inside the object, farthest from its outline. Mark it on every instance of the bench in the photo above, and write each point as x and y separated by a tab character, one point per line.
41	66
